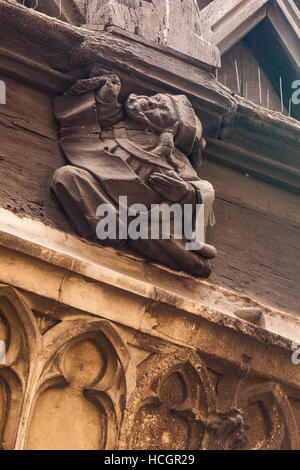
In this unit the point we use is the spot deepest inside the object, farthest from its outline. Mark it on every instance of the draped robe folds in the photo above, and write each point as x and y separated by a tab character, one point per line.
110	156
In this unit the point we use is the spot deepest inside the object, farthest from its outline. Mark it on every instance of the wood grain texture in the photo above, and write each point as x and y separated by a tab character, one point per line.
29	154
257	236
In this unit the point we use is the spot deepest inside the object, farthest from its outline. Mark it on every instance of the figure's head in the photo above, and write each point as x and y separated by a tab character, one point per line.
156	111
167	112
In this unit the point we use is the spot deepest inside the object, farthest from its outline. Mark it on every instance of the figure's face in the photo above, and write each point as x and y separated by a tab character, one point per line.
156	111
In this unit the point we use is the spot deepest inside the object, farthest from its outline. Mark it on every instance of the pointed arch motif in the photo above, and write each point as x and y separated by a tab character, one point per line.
174	392
82	354
270	405
22	344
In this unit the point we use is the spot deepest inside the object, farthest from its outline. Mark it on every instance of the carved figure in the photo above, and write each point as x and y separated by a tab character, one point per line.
147	150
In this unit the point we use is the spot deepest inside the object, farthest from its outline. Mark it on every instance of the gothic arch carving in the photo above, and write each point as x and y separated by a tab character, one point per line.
174	407
81	360
22	344
106	390
270	419
174	393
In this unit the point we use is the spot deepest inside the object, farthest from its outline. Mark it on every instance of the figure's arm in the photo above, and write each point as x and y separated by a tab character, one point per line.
107	88
109	110
174	189
166	147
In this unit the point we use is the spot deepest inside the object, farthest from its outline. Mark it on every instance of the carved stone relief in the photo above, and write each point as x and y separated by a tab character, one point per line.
73	385
175	406
176	23
270	418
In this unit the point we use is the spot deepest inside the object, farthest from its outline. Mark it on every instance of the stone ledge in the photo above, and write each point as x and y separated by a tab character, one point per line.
65	256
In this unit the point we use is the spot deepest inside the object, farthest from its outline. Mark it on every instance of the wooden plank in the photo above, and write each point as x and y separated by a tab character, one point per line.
28	108
252	193
27	163
257	236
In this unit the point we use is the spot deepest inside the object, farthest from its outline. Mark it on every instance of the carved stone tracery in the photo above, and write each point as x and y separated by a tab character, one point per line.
78	366
270	418
73	386
175	407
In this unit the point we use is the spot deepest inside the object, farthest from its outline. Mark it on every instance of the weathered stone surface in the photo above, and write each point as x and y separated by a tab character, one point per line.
80	272
173	23
120	354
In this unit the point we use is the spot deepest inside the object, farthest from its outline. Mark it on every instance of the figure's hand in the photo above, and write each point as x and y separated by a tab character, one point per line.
110	89
172	188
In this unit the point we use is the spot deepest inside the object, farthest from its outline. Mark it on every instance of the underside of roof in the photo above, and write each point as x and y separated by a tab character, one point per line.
270	29
226	22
